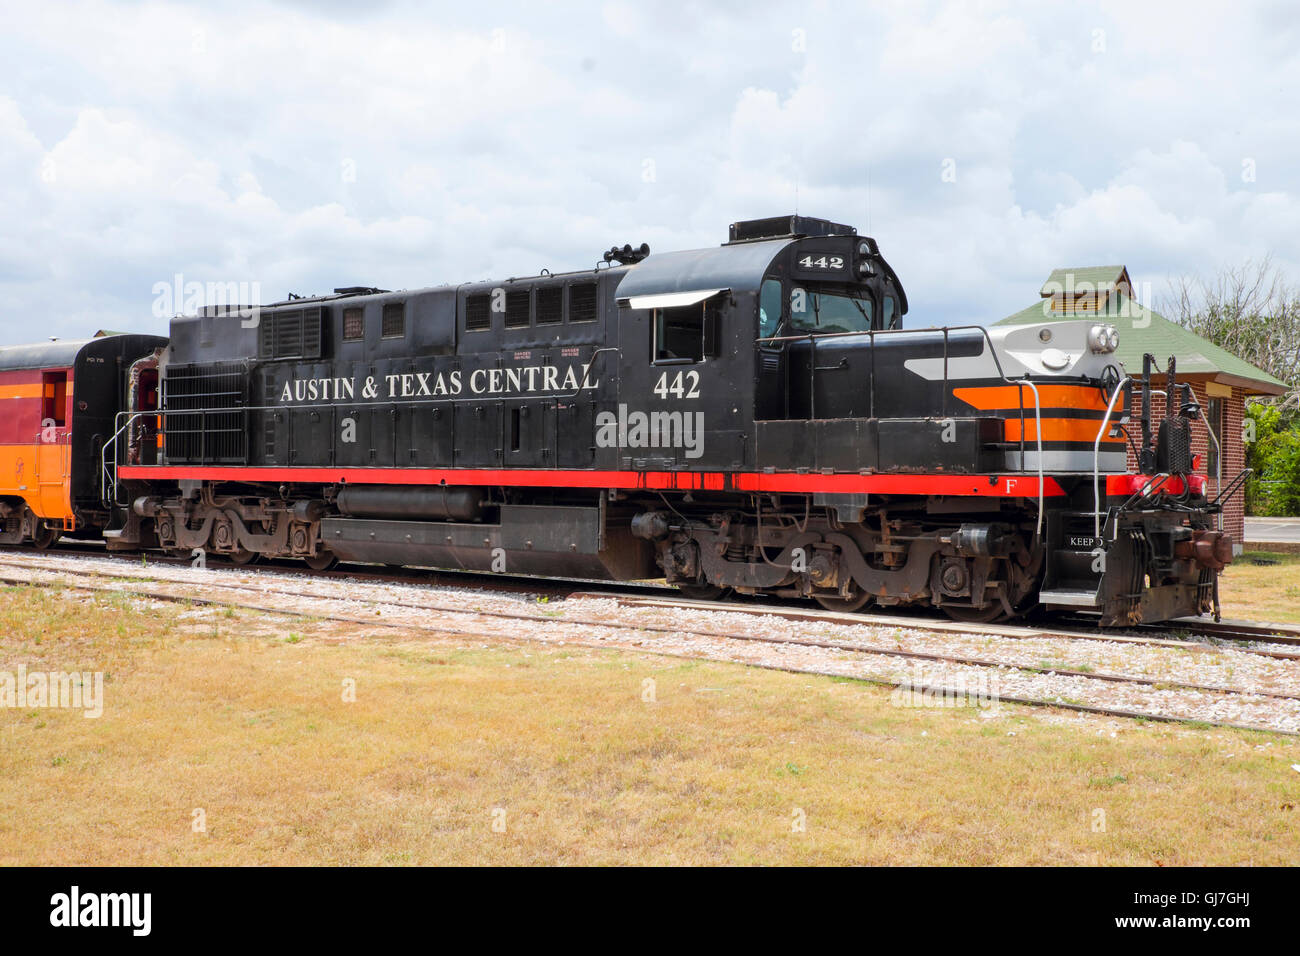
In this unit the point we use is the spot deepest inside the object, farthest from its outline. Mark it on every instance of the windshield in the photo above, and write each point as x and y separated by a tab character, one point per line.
828	312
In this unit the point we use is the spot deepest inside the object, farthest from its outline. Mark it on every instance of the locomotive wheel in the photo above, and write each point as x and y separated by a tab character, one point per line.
242	557
830	602
44	537
702	592
324	561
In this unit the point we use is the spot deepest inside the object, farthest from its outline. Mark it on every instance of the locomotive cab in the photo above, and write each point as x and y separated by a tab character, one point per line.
828	282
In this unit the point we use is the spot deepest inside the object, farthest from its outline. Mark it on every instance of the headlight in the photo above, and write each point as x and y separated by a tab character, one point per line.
1103	338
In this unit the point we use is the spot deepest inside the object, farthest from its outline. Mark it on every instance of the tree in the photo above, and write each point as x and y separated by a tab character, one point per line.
1252	312
1274	489
1248	310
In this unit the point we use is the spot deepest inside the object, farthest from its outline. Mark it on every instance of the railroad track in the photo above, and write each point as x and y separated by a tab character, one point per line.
1072	626
451	577
1012	631
150	587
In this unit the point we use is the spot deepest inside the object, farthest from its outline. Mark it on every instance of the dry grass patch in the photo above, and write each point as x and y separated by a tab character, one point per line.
244	718
1260	586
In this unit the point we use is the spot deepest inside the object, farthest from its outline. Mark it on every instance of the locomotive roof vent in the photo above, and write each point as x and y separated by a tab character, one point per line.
781	227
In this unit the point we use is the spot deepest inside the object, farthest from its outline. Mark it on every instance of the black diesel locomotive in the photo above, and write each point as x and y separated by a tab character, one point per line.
749	418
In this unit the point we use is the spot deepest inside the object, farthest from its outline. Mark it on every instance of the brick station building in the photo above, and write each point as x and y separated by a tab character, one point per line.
1222	382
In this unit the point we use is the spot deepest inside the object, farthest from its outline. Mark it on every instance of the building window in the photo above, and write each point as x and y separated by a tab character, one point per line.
517	310
582	302
550	305
478	313
1214	419
354	326
394	324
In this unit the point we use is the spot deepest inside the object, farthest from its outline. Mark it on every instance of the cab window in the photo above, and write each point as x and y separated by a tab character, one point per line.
679	334
769	308
814	311
888	319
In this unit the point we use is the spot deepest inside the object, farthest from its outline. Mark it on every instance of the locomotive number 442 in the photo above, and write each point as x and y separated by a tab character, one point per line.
822	262
683	385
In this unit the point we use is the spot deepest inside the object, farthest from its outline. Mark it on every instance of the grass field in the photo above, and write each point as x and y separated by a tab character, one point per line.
1262	587
227	739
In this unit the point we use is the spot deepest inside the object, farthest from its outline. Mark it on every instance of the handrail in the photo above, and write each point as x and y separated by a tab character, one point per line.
811	337
1233	487
1218	464
104	471
1038	437
1096	456
1146	488
1150	487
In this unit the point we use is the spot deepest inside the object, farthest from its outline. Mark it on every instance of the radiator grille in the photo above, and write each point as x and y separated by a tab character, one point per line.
203	413
550	305
516	310
478	313
582	302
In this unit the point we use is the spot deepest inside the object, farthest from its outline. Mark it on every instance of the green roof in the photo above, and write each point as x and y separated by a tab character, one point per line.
1095	278
1143	330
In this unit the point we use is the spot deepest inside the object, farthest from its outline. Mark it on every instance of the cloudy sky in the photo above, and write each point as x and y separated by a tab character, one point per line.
303	146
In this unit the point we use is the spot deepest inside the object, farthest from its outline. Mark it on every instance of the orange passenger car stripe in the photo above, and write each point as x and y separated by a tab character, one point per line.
20	391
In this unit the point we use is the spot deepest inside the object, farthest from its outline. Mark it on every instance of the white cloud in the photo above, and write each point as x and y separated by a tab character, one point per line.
306	148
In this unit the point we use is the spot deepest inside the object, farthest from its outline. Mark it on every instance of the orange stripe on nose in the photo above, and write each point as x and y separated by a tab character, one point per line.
1002	397
1056	429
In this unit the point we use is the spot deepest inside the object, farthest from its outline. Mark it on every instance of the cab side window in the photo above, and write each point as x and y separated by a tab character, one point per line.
685	334
678	334
769	308
888	318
